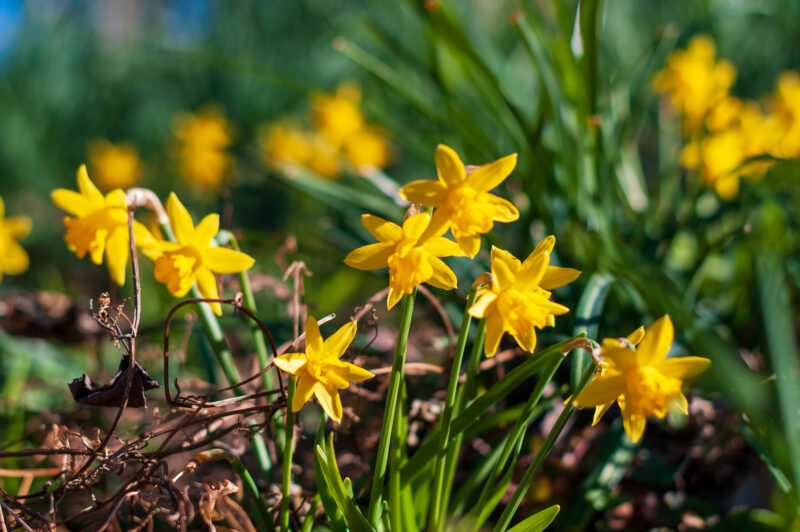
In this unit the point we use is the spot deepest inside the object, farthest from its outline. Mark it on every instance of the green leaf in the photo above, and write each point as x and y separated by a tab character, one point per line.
335	517
779	324
538	521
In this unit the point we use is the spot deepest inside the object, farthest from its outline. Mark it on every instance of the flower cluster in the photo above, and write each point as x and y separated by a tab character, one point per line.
723	132
637	374
13	259
114	165
203	139
340	138
517	298
99	226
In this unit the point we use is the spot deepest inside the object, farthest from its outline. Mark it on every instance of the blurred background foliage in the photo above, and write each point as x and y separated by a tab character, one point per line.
598	167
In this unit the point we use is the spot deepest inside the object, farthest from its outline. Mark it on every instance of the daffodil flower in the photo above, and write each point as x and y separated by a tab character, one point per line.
13	259
320	372
203	142
100	225
642	380
412	259
114	165
194	257
518	301
462	200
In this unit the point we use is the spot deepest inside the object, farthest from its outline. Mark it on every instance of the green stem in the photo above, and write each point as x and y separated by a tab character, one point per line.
252	489
259	342
541	455
217	339
437	512
397	511
395	382
287	455
519	425
308	522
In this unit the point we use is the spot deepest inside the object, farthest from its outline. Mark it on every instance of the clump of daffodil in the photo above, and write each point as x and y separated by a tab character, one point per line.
203	140
411	253
99	225
194	257
517	300
636	373
462	200
13	259
339	137
319	371
694	81
114	165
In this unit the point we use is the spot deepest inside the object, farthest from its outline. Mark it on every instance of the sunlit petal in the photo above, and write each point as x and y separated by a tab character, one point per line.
207	285
494	332
683	367
556	277
314	340
449	166
370	257
443	277
657	342
601	390
337	343
180	220
429	193
303	392
224	260
381	229
206	230
490	175
117	253
291	362
328	398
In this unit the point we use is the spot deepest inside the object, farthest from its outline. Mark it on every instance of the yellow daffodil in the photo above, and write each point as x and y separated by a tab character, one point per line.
13	259
320	372
637	375
284	144
324	158
114	165
100	225
786	115
412	259
366	150
203	140
694	81
195	257
337	116
462	200
518	301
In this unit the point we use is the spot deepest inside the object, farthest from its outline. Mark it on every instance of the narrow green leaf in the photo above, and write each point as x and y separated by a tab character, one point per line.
587	319
538	521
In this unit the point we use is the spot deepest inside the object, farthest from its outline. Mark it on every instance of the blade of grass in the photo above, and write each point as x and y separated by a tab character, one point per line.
538	521
587	319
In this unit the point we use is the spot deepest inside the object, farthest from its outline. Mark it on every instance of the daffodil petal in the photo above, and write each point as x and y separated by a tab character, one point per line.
415	226
500	255
442	277
17	226
532	270
636	336
490	175
117	253
599	411
336	344
601	390
314	340
482	304
439	224
502	275
291	362
395	295
224	260
494	332
504	210
656	343
207	285
634	424
381	229
357	374
556	277
616	356
15	260
449	166
527	340
71	202
430	193
679	403
683	367
370	257
439	246
206	230
87	188
329	400
179	219
303	392
116	199
469	244
146	241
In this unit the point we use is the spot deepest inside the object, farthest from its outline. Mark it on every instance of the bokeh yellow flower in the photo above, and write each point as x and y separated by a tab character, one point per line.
284	144
786	115
462	200
319	370
694	81
518	299
195	256
203	140
338	116
99	225
637	374
114	165
366	150
13	259
411	259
